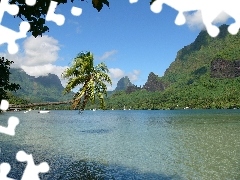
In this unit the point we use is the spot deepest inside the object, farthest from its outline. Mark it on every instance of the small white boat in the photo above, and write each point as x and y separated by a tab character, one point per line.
94	109
43	111
27	111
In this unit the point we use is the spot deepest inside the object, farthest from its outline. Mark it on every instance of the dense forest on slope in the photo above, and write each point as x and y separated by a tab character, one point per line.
40	89
191	80
204	74
195	59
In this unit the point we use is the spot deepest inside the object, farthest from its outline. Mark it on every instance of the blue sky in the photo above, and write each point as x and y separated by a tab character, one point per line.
129	38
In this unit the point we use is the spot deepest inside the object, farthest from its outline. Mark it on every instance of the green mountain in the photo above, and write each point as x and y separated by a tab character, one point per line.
40	89
204	74
195	59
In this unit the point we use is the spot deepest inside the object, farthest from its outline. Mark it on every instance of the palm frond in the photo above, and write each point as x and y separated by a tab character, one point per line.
92	79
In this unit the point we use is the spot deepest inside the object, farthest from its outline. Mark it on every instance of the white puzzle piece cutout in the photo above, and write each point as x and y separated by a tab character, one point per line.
31	171
210	10
4	105
4	170
133	1
76	11
8	35
6	7
51	16
30	2
12	121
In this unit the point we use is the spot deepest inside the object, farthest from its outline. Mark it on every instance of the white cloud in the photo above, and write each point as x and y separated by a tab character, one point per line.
194	19
116	74
44	70
37	56
222	18
13	57
40	50
133	76
107	55
36	52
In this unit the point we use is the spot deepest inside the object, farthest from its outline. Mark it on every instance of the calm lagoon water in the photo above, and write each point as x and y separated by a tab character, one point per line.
179	144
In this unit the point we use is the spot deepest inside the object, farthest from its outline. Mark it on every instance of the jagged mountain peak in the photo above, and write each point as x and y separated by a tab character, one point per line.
153	83
123	83
40	89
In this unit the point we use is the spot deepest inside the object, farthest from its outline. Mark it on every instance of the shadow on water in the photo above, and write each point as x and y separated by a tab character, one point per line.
64	168
96	131
92	170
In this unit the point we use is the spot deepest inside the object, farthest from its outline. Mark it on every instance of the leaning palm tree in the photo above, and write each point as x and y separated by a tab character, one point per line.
90	78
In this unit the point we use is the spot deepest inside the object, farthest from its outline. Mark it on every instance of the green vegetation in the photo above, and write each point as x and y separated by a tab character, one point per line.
16	100
41	89
5	84
90	78
202	94
188	82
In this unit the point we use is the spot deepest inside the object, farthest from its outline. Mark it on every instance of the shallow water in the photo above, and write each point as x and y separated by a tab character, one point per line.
180	144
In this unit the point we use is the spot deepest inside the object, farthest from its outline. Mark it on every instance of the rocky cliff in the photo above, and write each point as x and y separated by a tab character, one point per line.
221	68
123	83
153	83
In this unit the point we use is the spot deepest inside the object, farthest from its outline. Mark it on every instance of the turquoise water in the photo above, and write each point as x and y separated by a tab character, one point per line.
180	144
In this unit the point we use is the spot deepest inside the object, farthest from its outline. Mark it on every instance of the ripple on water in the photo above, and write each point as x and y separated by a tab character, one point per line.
129	144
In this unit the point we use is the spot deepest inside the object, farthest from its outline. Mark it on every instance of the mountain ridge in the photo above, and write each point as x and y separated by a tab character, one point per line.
201	52
205	74
41	89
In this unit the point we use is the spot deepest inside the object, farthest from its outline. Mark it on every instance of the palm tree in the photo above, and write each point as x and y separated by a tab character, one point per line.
91	79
